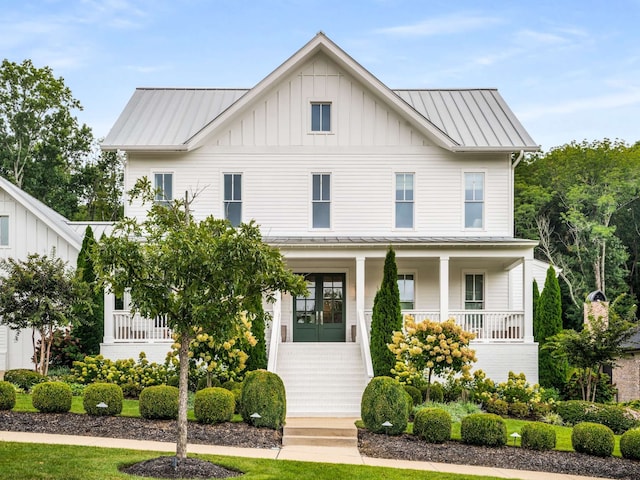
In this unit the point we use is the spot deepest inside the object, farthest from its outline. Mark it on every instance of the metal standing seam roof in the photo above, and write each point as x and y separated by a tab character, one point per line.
387	240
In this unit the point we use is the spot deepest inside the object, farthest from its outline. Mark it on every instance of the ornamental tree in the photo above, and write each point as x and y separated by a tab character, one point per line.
427	348
199	274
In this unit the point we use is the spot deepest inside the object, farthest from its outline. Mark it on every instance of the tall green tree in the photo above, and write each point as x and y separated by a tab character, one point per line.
386	318
547	322
89	324
199	274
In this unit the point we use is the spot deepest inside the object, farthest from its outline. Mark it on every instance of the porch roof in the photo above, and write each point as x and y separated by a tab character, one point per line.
406	240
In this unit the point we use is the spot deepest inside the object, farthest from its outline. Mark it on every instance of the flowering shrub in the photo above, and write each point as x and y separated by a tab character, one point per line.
427	348
520	396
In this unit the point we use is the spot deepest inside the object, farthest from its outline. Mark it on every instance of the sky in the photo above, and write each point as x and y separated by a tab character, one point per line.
570	70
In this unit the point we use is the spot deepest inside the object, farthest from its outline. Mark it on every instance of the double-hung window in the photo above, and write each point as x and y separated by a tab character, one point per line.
233	198
404	200
4	230
473	200
163	185
474	300
407	291
321	200
320	117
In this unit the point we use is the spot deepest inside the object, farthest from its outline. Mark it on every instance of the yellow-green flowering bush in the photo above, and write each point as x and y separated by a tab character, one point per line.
521	396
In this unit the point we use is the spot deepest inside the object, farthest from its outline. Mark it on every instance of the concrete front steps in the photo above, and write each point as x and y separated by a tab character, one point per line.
320	432
322	379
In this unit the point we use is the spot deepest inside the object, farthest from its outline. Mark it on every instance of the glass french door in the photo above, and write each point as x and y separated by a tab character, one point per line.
320	316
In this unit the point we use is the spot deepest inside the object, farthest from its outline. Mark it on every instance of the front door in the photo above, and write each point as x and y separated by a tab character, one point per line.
319	317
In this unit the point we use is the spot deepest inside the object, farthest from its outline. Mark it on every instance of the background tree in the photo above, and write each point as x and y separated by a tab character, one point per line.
38	293
89	324
547	322
386	318
197	274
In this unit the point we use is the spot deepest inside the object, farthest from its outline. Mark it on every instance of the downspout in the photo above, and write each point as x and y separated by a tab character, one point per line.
518	160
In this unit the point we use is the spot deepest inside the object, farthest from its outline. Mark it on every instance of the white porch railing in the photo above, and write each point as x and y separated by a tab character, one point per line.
134	328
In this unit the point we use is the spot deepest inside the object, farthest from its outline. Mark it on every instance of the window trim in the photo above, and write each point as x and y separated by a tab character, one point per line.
9	230
483	227
332	115
413	273
396	201
225	201
464	286
166	201
312	201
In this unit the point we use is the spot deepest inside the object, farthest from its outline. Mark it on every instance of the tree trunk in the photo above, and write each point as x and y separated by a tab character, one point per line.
181	445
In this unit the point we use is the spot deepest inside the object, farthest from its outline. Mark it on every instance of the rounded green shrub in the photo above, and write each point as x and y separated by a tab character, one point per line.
263	393
593	439
538	436
484	429
414	393
24	378
99	393
52	397
630	444
214	405
159	402
7	396
497	407
432	425
385	400
616	417
436	393
519	410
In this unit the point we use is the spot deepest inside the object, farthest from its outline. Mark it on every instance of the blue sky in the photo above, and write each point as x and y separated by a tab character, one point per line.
570	70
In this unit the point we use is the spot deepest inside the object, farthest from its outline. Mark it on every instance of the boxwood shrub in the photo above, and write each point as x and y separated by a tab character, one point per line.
484	429
263	393
432	425
108	394
214	405
630	444
159	402
593	439
51	397
7	396
538	436
236	389
23	378
385	400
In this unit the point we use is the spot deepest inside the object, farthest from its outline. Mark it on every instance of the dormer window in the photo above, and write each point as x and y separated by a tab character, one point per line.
321	117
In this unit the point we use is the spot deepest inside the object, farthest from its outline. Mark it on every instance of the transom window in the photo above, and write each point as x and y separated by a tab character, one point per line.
233	198
321	200
404	200
163	184
320	117
407	291
474	200
4	230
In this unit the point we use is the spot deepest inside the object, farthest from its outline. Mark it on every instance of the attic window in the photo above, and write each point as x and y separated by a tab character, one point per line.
321	117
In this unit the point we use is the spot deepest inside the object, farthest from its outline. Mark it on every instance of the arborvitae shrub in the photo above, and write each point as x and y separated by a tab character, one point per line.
593	439
159	402
385	400
52	397
432	425
7	396
484	429
108	394
497	407
263	393
630	444
519	410
214	405
414	393
24	378
538	436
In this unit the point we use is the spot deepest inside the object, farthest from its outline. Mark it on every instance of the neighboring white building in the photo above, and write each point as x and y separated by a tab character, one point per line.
336	167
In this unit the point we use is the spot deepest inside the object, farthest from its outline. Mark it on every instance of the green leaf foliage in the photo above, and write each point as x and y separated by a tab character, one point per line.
159	403
593	439
7	396
485	429
52	397
432	425
109	395
263	393
385	400
546	323
214	405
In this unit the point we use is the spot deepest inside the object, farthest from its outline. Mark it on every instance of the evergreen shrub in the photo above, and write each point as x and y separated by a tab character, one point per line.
159	402
630	444
497	407
484	429
7	396
538	436
519	410
109	394
432	425
616	417
23	378
385	400
414	393
436	392
214	405
263	393
51	397
593	439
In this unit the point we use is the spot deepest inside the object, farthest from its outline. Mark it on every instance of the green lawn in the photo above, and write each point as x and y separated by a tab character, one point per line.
21	461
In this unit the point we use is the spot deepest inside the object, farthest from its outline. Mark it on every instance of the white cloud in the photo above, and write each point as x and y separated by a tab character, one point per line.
444	25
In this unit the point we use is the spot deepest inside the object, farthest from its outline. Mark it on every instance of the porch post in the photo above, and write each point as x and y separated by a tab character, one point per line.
527	295
360	286
444	288
108	317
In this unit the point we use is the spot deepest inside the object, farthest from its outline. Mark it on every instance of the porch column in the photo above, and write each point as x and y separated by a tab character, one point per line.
108	317
444	288
360	287
527	295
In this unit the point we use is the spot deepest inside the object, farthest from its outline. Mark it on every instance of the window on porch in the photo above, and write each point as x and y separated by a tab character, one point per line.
474	299
407	291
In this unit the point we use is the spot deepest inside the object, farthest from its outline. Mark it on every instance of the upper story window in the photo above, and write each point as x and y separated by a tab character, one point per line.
473	200
407	291
4	230
163	184
233	198
404	200
321	200
321	117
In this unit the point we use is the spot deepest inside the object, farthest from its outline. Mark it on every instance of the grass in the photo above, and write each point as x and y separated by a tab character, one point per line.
21	461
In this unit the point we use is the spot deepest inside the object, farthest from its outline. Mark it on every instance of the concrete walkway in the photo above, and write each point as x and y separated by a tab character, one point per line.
294	452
